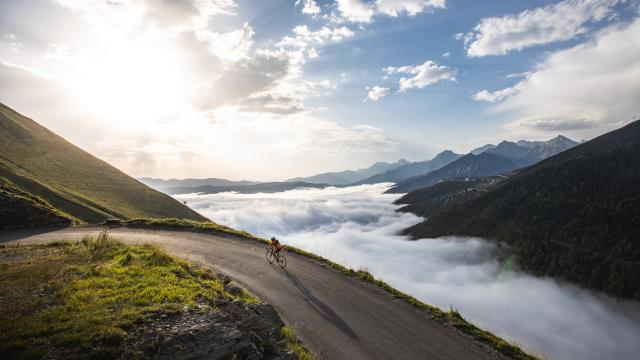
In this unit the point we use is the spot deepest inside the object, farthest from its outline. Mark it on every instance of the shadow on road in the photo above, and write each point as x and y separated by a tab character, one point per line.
320	307
13	235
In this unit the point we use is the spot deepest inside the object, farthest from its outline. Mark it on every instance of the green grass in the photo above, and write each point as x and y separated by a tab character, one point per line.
296	345
84	297
43	164
451	317
179	224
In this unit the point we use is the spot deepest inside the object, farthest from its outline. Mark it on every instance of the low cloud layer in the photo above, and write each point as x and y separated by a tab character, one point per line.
356	227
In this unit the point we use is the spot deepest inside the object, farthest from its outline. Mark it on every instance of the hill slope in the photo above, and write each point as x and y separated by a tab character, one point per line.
19	209
39	162
470	165
575	215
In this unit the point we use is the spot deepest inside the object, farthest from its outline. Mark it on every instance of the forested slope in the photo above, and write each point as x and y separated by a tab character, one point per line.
575	215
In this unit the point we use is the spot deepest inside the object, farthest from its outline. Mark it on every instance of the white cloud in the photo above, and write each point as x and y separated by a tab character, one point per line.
154	90
199	143
411	7
360	11
125	16
356	10
14	44
446	55
231	46
543	25
498	95
309	7
304	37
422	75
593	86
377	92
358	226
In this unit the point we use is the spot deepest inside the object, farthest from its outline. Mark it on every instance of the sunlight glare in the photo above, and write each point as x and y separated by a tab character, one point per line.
131	82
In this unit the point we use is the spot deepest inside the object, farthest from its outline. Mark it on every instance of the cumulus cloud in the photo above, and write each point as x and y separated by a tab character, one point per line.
543	25
356	10
359	11
304	37
411	7
377	92
309	7
126	16
357	227
421	75
183	100
498	95
592	86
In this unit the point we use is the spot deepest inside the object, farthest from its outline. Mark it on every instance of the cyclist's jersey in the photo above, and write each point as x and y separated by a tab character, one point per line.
276	244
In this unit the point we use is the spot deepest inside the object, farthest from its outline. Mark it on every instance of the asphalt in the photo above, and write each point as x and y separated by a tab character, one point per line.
337	317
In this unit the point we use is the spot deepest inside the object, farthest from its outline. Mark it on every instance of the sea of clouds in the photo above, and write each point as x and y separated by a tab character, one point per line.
358	227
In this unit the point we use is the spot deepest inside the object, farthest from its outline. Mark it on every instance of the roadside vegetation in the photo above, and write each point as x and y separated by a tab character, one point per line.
451	317
85	299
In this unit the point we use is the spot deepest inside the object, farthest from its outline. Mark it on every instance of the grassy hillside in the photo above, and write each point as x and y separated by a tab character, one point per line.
574	216
19	209
102	299
39	162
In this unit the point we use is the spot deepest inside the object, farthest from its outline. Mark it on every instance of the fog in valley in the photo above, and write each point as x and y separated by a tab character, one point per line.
358	227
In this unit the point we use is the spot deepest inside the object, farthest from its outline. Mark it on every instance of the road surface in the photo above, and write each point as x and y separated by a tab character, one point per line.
337	316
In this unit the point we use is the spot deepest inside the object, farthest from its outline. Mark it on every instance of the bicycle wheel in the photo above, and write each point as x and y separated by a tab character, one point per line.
270	256
282	261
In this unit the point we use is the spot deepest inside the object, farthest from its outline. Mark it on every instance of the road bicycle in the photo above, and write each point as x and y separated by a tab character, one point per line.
275	257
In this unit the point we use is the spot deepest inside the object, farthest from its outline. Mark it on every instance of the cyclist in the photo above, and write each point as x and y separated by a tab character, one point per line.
276	245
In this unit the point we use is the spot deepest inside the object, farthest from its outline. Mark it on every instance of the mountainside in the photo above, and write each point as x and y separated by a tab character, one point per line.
38	162
575	215
509	150
484	164
482	149
350	176
413	169
526	153
271	187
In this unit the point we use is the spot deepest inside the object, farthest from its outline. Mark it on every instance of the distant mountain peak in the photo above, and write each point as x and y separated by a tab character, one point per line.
562	139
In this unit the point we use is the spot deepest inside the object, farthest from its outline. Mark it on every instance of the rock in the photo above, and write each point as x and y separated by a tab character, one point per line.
246	331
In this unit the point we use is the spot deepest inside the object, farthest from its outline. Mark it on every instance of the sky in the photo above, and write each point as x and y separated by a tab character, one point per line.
268	90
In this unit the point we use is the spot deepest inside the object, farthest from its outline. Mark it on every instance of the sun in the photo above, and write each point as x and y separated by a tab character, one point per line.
131	82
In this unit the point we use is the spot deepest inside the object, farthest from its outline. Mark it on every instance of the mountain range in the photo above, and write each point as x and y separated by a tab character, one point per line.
412	169
165	185
489	160
483	164
266	187
574	215
45	176
350	176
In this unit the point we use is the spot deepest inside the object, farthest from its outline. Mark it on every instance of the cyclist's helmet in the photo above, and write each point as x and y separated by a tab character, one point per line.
273	238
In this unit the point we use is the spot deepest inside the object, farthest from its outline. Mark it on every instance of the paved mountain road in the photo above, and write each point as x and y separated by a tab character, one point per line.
338	317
